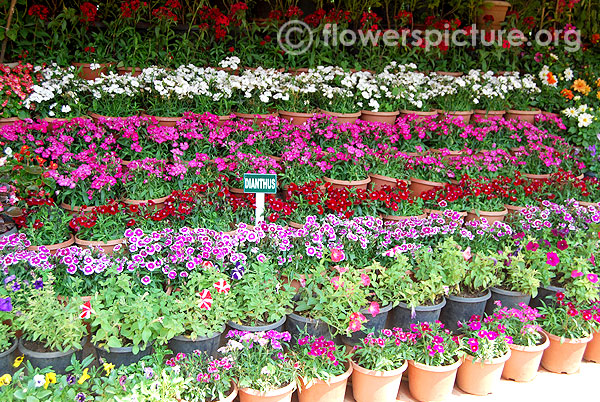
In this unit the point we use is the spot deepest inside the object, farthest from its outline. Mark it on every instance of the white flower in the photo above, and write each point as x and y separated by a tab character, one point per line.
8	151
65	109
570	112
568	74
265	371
39	380
585	120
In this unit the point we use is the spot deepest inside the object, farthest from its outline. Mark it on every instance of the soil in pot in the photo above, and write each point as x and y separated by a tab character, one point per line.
296	324
334	390
480	378
376	386
508	298
40	357
122	356
524	361
376	323
462	307
431	383
208	344
564	357
7	358
402	315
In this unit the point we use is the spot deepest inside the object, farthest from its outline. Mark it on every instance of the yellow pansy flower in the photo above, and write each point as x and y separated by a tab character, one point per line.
5	380
50	379
85	376
108	367
18	361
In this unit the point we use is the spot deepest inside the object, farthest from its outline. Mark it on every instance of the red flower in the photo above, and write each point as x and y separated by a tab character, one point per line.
562	245
88	12
39	11
232	49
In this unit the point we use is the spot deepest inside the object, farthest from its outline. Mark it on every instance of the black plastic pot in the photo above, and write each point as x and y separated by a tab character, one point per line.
122	356
546	294
401	315
462	309
209	344
59	361
276	326
7	358
508	298
376	323
296	324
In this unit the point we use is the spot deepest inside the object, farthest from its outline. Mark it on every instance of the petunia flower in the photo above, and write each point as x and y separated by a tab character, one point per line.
374	308
553	259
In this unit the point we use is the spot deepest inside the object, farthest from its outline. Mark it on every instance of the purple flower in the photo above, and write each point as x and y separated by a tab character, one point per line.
5	304
38	284
9	279
80	397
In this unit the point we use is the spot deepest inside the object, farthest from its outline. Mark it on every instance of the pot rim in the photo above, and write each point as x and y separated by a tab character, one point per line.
184	338
160	200
489	213
336	114
9	351
398	218
164	118
255	115
123	349
334	380
494	361
259	328
276	392
436	369
371	112
48	355
297	114
507	292
478	299
305	320
485	112
347	182
537	348
427	182
376	373
98	243
419	112
56	246
438	306
535	111
386	178
567	340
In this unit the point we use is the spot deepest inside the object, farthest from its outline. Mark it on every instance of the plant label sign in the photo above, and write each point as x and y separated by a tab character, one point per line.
260	184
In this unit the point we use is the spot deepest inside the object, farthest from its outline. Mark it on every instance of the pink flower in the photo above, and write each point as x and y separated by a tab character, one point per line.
467	253
354	326
374	308
592	278
341	270
335	281
337	255
531	246
576	274
365	280
553	259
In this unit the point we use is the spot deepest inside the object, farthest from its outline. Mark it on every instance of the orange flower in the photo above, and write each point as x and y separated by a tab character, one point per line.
598	95
598	82
581	86
550	78
567	93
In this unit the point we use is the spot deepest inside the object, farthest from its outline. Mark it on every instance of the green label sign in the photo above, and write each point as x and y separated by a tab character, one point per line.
260	183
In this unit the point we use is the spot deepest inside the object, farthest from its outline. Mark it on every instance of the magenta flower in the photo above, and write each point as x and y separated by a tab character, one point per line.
337	255
592	278
553	259
531	246
576	274
374	308
365	280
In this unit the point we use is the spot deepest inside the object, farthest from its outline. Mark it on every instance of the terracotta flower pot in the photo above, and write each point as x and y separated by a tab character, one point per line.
536	177
278	395
7	121
133	71
490	216
464	115
87	73
525	115
484	114
53	248
431	383
378	181
295	225
513	209
343	117
592	351
236	192
418	186
497	9
73	210
333	390
379	117
362	184
587	204
394	218
294	117
159	203
564	357
376	386
480	378
165	121
420	115
106	246
454	74
256	117
524	361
